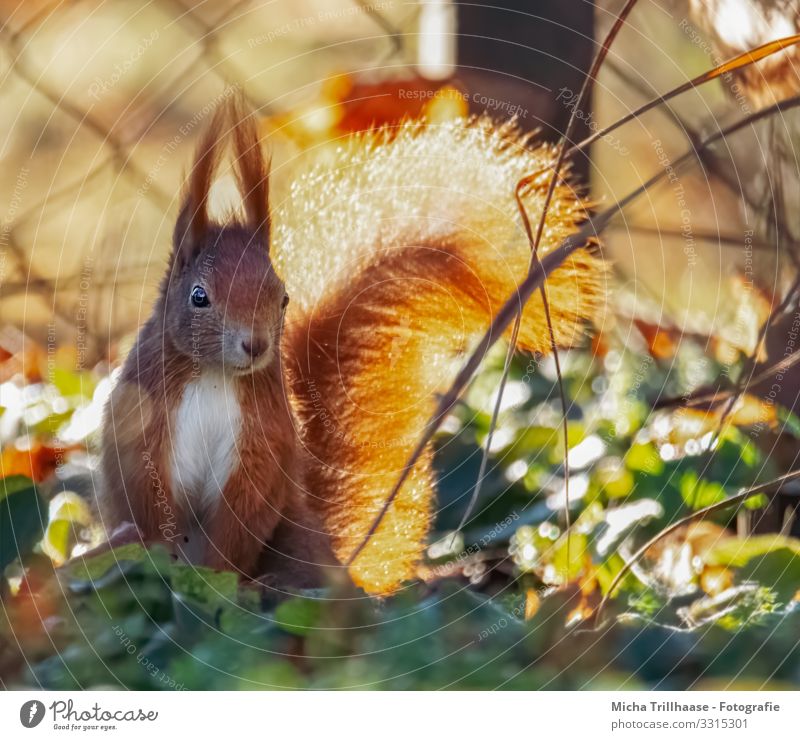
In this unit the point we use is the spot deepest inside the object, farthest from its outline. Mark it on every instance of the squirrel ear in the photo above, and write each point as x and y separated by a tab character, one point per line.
192	224
252	170
184	244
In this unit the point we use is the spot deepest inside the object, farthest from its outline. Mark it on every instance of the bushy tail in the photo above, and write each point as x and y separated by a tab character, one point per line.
397	251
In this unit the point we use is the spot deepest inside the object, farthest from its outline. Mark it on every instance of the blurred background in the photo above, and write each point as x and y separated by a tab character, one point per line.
96	140
102	104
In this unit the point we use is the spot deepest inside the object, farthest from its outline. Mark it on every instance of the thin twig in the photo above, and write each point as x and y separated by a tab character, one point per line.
711	397
738	62
535	241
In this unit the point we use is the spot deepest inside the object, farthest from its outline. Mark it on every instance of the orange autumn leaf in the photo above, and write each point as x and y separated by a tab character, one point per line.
677	561
532	603
38	463
28	363
715	579
447	104
691	423
661	343
752	411
584	611
599	345
347	105
368	105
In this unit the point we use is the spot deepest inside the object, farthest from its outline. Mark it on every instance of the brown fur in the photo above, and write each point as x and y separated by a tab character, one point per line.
265	487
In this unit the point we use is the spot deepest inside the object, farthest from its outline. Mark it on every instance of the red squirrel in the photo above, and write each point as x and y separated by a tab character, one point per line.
237	412
200	446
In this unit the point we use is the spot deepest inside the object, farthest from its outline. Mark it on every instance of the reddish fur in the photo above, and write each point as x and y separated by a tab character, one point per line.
364	363
262	488
265	479
363	408
199	185
265	486
401	247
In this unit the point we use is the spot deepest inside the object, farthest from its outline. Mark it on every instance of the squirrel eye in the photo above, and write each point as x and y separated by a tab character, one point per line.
285	301
199	297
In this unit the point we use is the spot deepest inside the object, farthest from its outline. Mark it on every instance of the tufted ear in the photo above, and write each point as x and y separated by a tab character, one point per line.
192	225
252	171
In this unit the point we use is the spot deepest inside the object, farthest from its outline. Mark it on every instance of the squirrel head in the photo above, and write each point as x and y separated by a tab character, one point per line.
224	302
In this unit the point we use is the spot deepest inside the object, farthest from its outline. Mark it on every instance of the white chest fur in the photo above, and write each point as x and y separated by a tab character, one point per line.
205	430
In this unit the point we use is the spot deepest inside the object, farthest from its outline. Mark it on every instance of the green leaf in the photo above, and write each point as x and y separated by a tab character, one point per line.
298	616
644	458
14	483
616	482
204	585
646	603
789	422
759	501
90	569
535	438
778	570
770	560
606	573
57	540
734	608
70	507
275	674
570	569
735	553
22	519
697	493
71	384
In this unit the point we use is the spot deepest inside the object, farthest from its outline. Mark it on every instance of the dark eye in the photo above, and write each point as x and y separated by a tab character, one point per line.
200	297
285	301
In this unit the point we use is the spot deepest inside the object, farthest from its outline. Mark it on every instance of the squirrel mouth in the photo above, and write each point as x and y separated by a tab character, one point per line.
243	369
253	366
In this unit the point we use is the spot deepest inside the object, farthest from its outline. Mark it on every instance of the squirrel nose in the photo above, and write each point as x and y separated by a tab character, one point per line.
254	347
